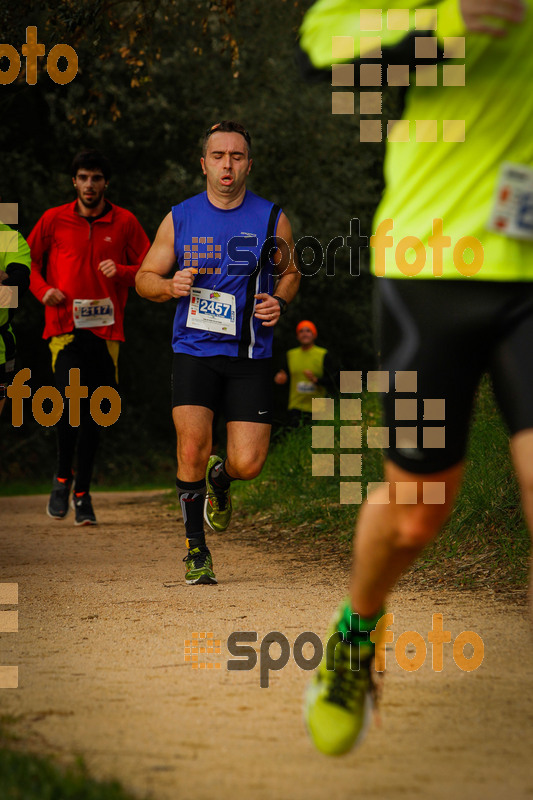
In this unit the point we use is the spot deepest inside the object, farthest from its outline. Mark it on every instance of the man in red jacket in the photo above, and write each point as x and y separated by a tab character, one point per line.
84	258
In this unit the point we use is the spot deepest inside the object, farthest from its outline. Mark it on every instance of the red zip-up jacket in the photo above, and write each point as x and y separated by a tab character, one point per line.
74	248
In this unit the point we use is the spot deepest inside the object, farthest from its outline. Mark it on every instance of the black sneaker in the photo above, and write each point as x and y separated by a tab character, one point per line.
81	503
57	507
199	566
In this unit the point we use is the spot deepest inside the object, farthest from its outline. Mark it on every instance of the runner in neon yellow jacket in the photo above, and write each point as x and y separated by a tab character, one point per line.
14	272
451	181
441	330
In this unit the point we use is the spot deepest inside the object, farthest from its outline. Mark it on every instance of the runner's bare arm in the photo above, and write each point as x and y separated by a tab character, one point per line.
268	309
151	280
476	12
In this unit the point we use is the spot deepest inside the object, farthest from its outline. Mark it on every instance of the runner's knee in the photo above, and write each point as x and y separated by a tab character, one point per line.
193	453
244	467
419	524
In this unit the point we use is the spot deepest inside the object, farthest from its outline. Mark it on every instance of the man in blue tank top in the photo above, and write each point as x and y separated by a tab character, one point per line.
228	244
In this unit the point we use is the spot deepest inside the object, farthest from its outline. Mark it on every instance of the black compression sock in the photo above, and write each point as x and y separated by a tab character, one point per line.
191	495
66	445
198	540
219	477
89	437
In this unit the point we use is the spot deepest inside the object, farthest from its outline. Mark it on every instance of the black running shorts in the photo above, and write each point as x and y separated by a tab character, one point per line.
241	388
451	332
90	354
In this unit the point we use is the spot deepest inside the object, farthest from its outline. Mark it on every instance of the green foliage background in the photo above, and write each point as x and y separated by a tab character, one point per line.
152	77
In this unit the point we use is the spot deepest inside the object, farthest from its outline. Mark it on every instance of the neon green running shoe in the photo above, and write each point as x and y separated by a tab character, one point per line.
199	566
217	508
339	700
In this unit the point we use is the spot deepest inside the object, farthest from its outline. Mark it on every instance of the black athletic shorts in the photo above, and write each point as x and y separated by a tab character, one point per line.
90	354
450	332
241	388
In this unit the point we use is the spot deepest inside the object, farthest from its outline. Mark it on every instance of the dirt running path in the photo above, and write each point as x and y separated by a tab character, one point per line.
103	614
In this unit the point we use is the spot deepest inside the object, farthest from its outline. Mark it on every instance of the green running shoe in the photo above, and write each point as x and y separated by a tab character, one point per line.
217	508
339	701
199	566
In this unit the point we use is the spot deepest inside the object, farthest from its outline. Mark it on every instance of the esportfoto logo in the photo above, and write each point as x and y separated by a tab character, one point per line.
410	650
411	255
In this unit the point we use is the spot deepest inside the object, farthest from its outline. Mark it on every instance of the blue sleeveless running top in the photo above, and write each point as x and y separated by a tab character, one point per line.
231	250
